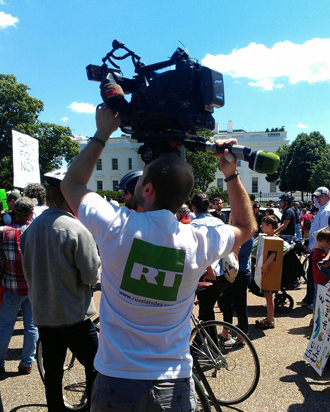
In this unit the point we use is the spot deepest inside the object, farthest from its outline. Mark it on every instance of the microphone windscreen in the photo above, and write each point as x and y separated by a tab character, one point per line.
266	162
114	97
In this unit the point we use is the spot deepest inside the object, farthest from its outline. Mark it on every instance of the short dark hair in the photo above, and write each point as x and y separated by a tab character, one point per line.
270	220
172	179
36	191
55	197
217	199
201	202
270	211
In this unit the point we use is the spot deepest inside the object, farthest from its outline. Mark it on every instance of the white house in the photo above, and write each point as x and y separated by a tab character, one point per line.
268	141
120	156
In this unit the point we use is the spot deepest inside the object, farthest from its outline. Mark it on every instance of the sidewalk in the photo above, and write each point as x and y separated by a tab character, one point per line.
287	382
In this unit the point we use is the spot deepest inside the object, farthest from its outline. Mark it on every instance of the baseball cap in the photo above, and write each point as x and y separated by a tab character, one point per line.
13	196
321	191
24	205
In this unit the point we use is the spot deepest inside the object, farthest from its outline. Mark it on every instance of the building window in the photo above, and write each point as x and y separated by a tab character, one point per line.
220	184
99	164
272	187
99	185
115	184
254	185
114	164
129	163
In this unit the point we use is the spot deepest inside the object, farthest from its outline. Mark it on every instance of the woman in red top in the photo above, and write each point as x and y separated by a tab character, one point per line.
306	220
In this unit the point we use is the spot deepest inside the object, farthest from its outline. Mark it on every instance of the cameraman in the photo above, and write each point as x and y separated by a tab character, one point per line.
151	266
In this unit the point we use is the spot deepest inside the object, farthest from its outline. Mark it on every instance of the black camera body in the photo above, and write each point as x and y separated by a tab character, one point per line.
165	107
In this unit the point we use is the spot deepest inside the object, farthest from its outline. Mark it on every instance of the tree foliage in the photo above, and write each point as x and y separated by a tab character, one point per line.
216	192
204	166
277	129
304	165
20	111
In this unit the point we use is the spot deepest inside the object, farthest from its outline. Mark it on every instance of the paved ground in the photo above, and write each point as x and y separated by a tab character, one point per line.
287	382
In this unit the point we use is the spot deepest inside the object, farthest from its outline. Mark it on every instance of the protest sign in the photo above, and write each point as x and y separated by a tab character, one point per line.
25	159
318	349
3	195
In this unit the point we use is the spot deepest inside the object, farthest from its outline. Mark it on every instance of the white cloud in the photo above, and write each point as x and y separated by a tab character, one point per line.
302	126
7	20
82	107
65	119
308	62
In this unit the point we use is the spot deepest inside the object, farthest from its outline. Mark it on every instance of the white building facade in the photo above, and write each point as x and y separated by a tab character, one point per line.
253	182
120	156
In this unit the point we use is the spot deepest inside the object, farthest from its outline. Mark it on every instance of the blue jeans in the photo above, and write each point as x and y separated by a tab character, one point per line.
298	233
82	340
10	306
128	395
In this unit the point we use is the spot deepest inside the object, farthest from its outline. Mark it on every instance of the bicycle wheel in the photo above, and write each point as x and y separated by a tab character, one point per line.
305	267
232	372
203	404
74	378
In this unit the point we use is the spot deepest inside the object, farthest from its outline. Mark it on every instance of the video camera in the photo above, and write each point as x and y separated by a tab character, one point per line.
166	108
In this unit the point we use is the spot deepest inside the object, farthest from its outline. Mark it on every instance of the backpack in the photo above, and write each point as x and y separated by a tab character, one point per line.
308	223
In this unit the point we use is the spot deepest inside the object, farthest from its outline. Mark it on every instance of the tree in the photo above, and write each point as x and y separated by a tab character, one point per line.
304	164
277	129
20	111
283	153
55	146
216	192
204	166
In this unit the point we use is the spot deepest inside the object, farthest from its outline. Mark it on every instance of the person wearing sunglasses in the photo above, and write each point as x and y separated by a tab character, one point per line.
127	185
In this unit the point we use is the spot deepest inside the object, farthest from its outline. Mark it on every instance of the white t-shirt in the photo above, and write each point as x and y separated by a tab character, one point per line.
151	264
319	222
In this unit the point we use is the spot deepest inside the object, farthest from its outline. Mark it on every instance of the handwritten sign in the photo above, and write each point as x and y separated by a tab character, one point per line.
318	349
25	159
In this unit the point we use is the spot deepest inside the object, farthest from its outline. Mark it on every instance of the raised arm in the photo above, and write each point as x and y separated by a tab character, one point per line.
241	210
74	184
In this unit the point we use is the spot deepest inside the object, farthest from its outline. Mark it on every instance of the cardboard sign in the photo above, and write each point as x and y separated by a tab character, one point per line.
318	349
267	245
25	159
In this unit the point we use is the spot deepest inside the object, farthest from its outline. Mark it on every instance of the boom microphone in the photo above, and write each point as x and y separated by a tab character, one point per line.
260	161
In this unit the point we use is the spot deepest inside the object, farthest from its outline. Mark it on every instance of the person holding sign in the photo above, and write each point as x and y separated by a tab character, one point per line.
321	253
268	227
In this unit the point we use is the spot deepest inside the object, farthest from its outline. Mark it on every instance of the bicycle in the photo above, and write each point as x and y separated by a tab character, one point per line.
232	373
74	378
74	385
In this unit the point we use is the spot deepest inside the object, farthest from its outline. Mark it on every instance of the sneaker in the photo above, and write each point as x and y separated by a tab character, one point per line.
24	370
302	303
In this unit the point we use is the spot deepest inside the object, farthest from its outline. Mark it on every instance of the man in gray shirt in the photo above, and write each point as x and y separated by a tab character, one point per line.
60	263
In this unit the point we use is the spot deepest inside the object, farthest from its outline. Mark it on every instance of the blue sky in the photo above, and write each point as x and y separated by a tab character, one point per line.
275	55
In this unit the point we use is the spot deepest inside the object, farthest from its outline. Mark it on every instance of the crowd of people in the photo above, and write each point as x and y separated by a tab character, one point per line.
153	252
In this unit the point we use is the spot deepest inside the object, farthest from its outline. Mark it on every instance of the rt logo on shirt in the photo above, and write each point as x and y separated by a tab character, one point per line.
153	271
